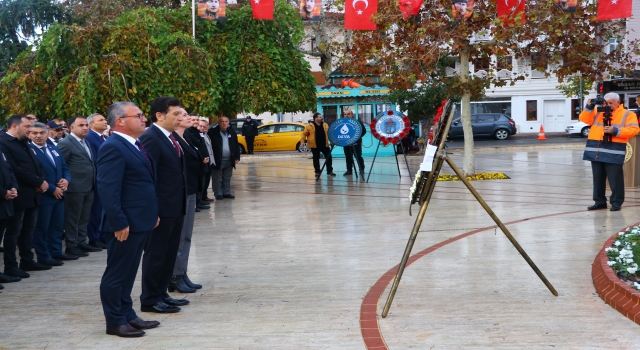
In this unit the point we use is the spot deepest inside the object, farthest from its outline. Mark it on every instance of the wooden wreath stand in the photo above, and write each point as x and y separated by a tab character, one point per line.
425	191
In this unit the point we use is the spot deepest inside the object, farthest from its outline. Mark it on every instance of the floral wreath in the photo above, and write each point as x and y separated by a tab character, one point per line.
397	136
439	112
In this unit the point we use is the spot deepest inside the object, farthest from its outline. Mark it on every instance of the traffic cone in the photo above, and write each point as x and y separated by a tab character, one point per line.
541	134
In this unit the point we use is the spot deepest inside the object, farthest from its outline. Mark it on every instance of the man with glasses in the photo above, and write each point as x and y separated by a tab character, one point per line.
356	148
607	157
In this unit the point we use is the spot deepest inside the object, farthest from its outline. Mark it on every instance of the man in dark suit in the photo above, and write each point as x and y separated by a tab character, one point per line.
8	192
249	131
95	138
126	182
162	248
195	139
204	128
47	237
54	129
79	196
226	152
31	182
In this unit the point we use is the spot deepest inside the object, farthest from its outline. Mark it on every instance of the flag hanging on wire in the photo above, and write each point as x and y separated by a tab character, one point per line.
358	13
511	11
262	9
613	9
212	10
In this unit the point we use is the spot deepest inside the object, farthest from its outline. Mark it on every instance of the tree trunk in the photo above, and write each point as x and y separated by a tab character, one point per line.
469	168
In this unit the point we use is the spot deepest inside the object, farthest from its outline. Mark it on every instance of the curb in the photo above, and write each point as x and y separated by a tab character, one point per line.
613	290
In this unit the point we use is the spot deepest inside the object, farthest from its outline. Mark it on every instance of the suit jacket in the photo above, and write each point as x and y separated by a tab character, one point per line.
7	181
81	167
170	173
193	164
216	145
192	136
127	187
94	142
26	168
52	172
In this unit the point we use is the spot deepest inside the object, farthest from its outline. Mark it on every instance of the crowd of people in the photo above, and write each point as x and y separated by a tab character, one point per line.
113	183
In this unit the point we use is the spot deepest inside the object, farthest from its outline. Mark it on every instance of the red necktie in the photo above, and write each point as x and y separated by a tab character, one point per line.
175	145
102	137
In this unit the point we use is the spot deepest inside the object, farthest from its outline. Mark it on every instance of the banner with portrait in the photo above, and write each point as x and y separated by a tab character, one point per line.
212	10
310	9
567	5
462	9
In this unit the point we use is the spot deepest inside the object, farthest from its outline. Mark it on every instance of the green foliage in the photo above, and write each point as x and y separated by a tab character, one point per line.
572	86
244	64
421	102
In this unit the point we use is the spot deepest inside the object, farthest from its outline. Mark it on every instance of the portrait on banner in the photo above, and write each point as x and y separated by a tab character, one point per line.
462	9
212	10
310	9
567	5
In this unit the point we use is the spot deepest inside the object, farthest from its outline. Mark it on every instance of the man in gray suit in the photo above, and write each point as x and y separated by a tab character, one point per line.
79	196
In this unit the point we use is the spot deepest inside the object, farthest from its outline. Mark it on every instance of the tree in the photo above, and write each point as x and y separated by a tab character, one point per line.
20	21
148	53
94	13
407	51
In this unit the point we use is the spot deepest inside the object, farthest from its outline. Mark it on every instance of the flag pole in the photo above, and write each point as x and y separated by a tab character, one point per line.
193	18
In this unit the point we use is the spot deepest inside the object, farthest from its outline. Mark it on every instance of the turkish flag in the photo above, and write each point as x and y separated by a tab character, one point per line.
262	9
358	13
409	7
511	11
613	9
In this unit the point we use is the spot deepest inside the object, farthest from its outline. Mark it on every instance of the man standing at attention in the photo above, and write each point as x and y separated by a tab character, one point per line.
126	182
55	132
355	149
226	152
31	181
79	196
204	128
249	131
98	125
318	141
162	248
607	158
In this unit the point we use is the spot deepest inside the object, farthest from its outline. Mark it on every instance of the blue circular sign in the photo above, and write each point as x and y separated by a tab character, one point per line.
345	132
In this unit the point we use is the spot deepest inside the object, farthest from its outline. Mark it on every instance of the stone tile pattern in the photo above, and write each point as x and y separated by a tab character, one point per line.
611	289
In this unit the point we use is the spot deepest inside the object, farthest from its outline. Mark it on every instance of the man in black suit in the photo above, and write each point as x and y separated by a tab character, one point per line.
126	182
226	152
8	192
204	128
249	131
162	248
193	136
95	138
79	196
31	182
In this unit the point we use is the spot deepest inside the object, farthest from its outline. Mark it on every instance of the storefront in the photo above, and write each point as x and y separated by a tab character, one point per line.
628	89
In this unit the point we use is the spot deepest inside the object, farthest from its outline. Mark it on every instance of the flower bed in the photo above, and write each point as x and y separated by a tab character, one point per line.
478	176
624	256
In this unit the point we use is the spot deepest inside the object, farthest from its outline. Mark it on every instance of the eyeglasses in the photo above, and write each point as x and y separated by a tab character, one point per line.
139	116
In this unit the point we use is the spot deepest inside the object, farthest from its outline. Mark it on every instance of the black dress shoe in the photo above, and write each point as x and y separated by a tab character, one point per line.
33	266
160	308
125	331
51	262
347	173
96	245
103	245
76	251
615	209
229	196
219	197
597	206
1	287
177	284
89	248
139	323
15	272
188	282
64	257
331	173
176	302
202	206
198	210
8	279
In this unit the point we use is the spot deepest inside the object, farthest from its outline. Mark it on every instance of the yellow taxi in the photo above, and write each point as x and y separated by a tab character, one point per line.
275	137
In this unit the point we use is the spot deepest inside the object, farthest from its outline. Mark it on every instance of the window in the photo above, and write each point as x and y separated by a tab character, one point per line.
532	110
482	63
576	108
299	128
269	129
504	62
286	128
483	118
365	113
612	45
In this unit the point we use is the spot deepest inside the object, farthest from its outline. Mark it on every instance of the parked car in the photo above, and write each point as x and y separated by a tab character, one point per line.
500	126
275	137
236	124
578	128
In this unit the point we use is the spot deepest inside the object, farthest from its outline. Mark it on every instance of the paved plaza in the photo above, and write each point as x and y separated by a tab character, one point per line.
288	263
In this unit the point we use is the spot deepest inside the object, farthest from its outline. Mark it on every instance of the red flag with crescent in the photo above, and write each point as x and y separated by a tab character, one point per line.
409	7
358	14
511	11
613	9
262	9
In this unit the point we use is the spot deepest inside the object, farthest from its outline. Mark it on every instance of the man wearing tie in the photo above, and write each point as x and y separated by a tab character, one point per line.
47	237
97	125
162	248
204	127
79	195
55	132
126	182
